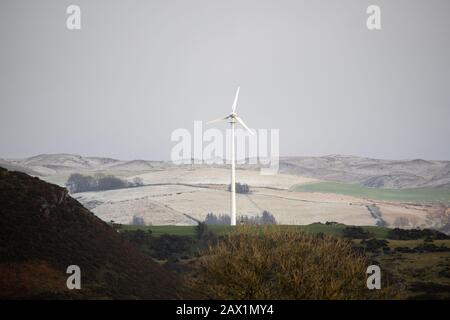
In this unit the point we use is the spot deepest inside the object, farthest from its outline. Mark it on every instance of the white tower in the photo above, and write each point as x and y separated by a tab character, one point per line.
233	117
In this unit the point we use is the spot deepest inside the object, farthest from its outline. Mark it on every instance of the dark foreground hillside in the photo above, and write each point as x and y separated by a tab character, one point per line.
43	231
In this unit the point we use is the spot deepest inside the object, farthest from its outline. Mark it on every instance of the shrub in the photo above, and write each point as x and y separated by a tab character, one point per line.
414	234
240	188
200	230
138	237
353	232
374	245
274	263
163	247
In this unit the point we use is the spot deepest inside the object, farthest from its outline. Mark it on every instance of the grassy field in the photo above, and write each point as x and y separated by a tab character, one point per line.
409	195
176	230
415	243
422	275
334	229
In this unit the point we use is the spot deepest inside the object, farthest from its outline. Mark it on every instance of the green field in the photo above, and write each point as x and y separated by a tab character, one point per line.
335	229
176	230
409	195
415	243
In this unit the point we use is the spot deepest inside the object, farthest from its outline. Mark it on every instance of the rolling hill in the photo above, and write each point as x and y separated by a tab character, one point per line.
43	231
406	193
375	173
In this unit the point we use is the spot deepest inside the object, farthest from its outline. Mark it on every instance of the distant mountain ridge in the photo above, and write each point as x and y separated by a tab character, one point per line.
369	172
48	164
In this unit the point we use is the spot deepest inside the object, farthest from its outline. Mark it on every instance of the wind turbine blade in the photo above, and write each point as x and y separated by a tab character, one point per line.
233	108
244	125
217	120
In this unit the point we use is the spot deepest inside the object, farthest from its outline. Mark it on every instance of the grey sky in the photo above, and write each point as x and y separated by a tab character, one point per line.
140	69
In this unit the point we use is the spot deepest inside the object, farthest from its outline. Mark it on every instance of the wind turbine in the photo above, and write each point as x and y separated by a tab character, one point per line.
233	118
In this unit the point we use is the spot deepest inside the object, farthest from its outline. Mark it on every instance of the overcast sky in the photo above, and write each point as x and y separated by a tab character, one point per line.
137	70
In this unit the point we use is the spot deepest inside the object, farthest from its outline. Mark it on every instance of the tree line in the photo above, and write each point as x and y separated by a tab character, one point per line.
265	218
99	182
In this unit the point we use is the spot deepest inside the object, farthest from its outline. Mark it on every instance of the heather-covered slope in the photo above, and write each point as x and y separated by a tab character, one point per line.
43	231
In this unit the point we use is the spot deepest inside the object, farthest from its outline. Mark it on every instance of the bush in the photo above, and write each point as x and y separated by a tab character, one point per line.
356	233
165	247
240	188
414	234
200	230
138	237
275	263
374	245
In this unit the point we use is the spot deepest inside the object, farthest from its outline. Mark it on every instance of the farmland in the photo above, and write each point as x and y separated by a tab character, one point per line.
344	189
355	190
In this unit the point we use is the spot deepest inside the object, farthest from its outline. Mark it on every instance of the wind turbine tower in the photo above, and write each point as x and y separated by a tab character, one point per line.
233	119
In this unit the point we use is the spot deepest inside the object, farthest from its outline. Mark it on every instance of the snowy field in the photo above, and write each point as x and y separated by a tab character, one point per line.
180	196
